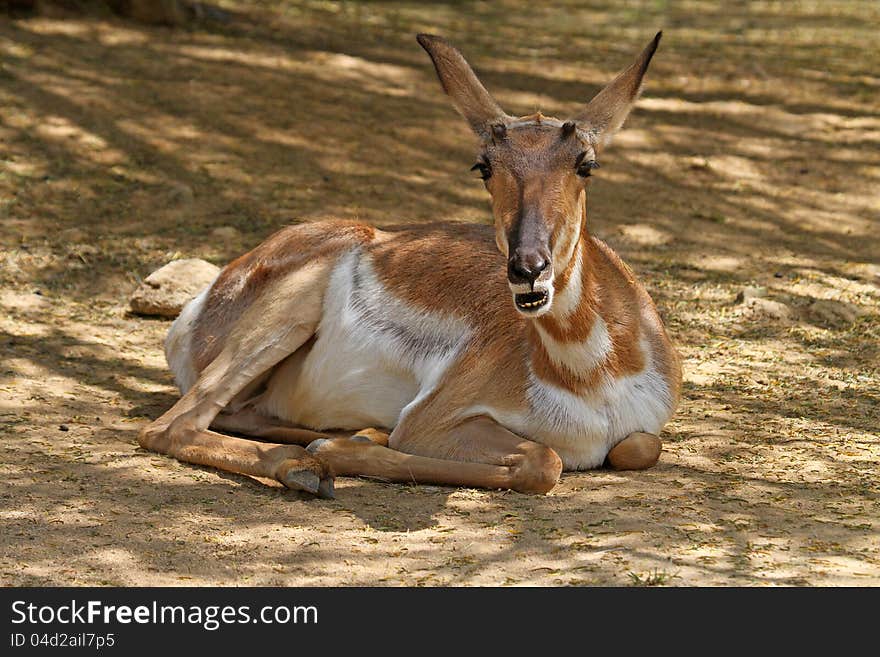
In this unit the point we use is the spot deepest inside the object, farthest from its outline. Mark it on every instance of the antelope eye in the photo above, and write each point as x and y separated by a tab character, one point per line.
483	168
584	166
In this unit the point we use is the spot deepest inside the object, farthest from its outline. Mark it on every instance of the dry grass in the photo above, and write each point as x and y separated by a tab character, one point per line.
753	159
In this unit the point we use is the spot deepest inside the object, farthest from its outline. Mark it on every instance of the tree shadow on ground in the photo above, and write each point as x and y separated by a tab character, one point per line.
752	154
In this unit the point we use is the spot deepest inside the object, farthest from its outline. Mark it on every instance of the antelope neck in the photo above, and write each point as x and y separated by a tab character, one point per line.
571	342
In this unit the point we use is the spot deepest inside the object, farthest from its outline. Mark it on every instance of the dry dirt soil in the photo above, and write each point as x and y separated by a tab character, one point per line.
753	159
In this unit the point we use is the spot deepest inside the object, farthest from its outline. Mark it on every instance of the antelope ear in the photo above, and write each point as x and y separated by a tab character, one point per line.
460	83
604	115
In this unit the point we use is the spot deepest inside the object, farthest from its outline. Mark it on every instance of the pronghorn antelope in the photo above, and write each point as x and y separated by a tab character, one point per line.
472	365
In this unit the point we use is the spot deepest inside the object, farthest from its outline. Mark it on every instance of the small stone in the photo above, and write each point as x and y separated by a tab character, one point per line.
645	234
752	292
63	427
146	243
864	270
24	301
768	308
168	289
73	235
83	250
181	194
226	233
831	313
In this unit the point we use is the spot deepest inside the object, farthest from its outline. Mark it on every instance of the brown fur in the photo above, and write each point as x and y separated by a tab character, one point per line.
241	283
266	307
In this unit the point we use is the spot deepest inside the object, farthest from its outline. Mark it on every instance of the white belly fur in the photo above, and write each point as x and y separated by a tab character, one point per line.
373	356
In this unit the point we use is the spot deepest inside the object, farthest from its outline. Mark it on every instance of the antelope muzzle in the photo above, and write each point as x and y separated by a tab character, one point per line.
530	276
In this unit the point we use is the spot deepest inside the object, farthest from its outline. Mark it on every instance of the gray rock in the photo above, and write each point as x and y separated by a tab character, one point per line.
168	289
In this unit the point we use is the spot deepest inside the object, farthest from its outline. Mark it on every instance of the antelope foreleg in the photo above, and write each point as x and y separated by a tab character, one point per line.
479	454
357	456
182	432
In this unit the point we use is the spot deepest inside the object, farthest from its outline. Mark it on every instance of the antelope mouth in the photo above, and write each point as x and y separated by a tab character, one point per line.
531	301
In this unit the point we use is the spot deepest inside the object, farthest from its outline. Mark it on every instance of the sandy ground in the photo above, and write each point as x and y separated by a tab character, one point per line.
753	159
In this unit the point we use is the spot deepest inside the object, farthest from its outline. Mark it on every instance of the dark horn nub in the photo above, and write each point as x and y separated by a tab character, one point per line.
568	129
499	131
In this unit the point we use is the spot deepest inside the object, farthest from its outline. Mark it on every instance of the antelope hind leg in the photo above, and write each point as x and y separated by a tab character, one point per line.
251	423
256	425
182	433
638	451
292	465
373	435
252	348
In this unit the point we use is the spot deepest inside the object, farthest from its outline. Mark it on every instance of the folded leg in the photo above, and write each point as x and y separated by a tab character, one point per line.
262	338
477	453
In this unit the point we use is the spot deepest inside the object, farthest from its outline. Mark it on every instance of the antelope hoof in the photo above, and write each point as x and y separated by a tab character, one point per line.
638	451
537	471
297	475
302	480
371	435
314	446
326	489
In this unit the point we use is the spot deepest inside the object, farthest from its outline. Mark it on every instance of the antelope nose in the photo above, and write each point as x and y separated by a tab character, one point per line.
525	266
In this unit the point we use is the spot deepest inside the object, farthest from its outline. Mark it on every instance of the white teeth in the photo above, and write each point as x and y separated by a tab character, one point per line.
532	304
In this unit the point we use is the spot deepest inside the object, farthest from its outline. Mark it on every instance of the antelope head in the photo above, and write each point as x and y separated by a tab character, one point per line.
536	168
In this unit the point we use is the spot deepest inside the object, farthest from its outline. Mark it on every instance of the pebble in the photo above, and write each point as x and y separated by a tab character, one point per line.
226	233
752	292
